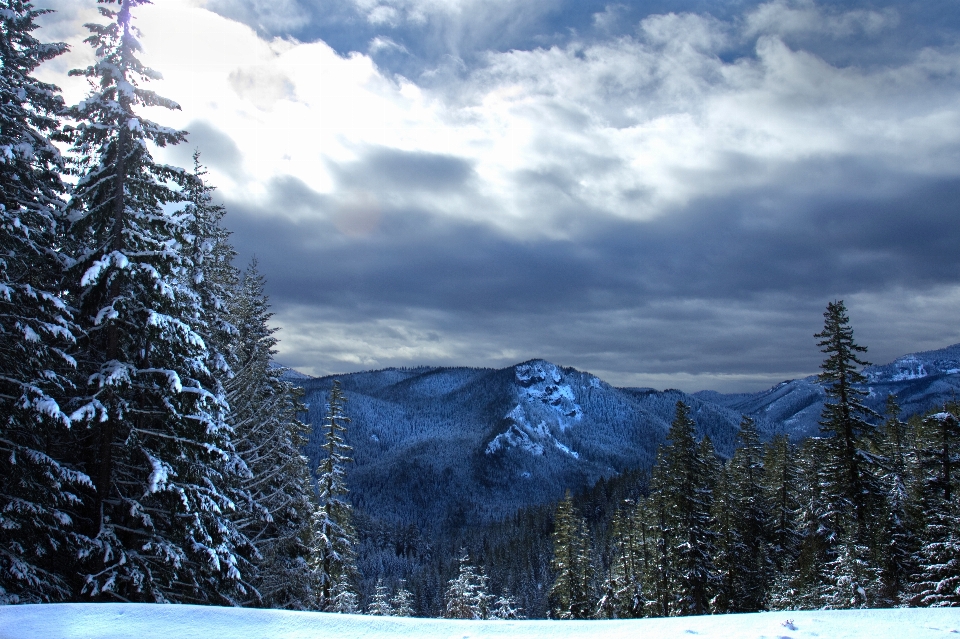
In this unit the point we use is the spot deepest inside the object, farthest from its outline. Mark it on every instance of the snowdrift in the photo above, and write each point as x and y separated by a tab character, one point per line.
146	621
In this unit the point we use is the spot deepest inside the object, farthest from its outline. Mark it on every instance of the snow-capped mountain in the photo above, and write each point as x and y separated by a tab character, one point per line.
451	446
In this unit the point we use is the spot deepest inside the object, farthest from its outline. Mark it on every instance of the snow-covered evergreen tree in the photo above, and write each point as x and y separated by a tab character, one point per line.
380	601
854	580
505	607
686	488
38	537
780	484
622	591
570	594
402	601
466	596
278	506
851	488
898	540
149	426
334	555
802	582
938	581
748	564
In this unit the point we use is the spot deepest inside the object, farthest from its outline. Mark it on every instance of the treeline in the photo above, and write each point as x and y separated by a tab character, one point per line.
864	516
149	449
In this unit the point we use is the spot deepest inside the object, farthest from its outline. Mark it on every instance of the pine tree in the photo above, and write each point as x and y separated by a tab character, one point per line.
466	596
729	545
851	488
150	422
899	542
780	484
749	547
803	582
938	581
380	602
505	607
854	580
659	535
335	551
570	595
623	596
38	540
402	601
687	489
210	274
278	509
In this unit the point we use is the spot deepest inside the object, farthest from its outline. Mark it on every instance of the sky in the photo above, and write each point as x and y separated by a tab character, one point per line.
134	621
663	193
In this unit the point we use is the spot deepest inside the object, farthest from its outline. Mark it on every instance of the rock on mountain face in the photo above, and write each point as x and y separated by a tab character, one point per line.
446	447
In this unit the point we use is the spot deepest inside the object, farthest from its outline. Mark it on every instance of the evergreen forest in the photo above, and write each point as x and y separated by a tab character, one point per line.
151	450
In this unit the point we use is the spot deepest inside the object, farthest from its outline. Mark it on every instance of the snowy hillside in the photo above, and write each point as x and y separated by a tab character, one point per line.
137	621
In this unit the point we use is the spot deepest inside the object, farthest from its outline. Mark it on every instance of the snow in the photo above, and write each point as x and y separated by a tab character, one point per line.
135	621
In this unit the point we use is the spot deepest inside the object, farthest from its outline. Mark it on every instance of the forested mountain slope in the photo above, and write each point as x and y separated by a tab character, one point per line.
447	447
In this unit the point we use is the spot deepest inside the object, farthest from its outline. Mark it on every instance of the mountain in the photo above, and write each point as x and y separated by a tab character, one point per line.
442	448
920	381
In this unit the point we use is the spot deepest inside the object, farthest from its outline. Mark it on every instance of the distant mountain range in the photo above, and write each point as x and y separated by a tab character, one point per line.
447	447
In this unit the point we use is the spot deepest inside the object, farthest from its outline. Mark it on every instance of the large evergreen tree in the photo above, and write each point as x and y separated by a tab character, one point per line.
38	540
749	558
687	491
335	543
570	595
899	542
150	419
279	508
851	490
938	581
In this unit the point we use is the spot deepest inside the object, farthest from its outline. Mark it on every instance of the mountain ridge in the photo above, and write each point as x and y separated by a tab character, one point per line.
452	446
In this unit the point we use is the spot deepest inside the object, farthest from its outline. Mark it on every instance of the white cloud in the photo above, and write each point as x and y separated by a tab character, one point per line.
631	127
804	17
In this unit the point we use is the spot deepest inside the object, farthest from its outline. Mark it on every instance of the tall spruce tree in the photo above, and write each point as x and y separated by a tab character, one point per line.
623	592
334	554
570	595
466	596
279	509
899	542
844	419
938	580
150	421
38	542
782	491
749	549
687	490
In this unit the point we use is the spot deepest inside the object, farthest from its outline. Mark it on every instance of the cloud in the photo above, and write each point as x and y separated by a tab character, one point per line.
805	17
671	204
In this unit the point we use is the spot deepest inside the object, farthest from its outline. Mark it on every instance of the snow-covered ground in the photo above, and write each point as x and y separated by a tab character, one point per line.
145	621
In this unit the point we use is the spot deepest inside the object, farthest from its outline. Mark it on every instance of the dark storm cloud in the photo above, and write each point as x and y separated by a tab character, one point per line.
711	251
713	287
